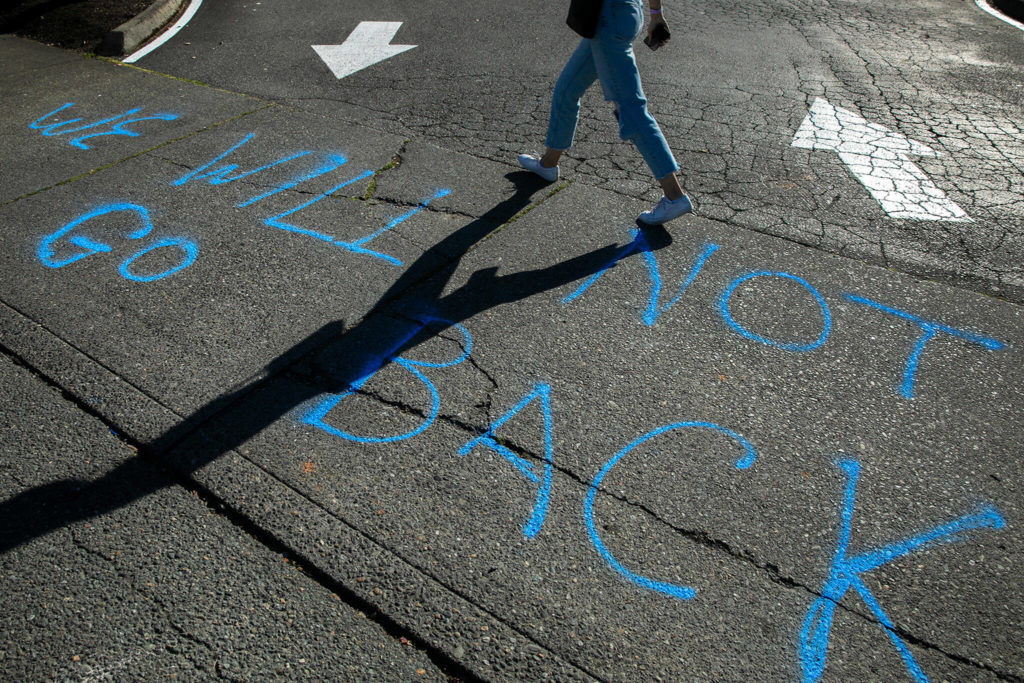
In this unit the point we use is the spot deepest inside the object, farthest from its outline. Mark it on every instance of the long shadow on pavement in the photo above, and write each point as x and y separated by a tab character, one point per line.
355	354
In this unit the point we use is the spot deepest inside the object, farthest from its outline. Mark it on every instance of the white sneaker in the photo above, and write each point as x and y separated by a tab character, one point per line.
665	210
532	163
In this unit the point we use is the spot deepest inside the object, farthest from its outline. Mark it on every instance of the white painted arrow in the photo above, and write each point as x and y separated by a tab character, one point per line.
878	158
368	44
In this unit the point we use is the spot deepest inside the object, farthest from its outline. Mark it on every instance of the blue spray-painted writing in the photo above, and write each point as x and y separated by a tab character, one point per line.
723	307
188	247
276	222
220	175
846	574
642	246
928	330
86	245
357	245
118	125
675	590
541	392
316	415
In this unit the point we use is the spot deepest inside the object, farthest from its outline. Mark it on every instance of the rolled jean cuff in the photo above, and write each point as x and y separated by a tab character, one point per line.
662	167
656	153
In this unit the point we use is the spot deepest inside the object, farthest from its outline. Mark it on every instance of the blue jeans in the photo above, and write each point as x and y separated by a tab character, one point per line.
609	56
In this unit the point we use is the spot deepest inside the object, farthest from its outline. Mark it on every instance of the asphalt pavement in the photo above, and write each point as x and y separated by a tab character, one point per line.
306	380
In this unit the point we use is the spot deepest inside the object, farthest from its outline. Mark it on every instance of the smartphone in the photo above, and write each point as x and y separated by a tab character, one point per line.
661	36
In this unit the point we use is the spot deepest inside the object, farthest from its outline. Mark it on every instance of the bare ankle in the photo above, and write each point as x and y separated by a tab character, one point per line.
670	186
550	158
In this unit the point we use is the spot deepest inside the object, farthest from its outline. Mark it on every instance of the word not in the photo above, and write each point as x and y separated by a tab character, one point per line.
368	44
53	254
117	125
878	158
928	329
220	175
846	573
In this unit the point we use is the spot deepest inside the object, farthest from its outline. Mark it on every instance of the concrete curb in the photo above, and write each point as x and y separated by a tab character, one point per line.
127	37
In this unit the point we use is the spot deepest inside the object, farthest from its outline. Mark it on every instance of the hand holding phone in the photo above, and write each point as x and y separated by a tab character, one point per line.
658	36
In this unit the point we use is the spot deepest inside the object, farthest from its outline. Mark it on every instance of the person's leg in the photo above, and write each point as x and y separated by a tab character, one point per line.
616	67
577	75
670	186
551	157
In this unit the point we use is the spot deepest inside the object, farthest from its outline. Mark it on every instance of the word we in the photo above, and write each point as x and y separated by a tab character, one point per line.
114	125
926	329
73	242
227	173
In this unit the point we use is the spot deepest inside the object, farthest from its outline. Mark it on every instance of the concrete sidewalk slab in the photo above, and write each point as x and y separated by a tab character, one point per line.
419	534
672	516
31	57
162	588
60	118
423	531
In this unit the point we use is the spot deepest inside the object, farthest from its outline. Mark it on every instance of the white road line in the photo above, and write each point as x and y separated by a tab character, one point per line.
166	35
983	4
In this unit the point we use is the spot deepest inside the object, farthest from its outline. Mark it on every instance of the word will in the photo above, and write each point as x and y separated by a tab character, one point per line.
227	173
